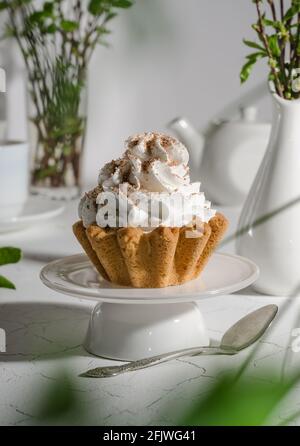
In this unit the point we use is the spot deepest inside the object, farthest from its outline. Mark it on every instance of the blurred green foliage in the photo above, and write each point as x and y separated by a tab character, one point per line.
59	403
8	255
229	401
232	402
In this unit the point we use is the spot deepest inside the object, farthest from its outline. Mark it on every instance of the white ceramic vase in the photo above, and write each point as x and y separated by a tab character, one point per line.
269	226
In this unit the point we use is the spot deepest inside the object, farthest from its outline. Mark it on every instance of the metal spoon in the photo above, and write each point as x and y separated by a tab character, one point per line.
241	335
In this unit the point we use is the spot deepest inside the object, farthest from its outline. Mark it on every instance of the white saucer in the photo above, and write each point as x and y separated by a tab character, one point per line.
75	275
134	331
35	210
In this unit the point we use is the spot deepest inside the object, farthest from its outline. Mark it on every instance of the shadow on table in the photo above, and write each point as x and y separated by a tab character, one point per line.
249	291
40	331
43	257
39	257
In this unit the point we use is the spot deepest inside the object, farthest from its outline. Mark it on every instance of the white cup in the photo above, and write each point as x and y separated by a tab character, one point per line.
14	178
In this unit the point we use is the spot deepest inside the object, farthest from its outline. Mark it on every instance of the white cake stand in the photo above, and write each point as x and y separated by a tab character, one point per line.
131	323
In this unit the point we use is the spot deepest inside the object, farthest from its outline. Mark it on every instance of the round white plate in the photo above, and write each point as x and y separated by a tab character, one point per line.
75	276
35	210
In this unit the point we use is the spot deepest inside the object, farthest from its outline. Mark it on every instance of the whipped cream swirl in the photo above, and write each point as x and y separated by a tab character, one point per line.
148	187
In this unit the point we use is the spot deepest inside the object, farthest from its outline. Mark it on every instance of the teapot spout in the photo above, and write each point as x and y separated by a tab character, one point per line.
192	139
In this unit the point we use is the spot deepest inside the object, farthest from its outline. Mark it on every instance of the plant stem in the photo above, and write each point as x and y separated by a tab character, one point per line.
281	9
278	85
273	9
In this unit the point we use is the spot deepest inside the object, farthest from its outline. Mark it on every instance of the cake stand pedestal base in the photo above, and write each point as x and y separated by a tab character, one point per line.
133	331
134	323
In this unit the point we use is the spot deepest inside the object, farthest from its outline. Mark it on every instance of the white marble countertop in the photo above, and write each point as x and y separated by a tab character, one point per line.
45	331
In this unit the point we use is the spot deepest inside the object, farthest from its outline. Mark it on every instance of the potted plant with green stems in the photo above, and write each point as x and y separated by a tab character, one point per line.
57	39
268	228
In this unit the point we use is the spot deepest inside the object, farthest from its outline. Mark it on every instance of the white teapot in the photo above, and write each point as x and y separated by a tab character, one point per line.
227	157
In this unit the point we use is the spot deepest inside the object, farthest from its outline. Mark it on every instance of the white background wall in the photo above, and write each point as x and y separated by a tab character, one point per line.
167	58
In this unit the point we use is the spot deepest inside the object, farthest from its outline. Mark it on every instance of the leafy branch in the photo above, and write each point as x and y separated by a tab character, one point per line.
279	42
7	256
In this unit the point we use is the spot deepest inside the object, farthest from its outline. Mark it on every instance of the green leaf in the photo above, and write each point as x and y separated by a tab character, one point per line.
256	56
9	255
253	45
68	25
121	3
4	5
274	45
268	22
45	172
110	16
288	15
278	26
102	30
292	11
37	17
95	7
51	29
5	283
246	71
48	8
67	150
251	61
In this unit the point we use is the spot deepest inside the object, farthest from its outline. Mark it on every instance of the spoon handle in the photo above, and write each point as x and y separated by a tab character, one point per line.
107	372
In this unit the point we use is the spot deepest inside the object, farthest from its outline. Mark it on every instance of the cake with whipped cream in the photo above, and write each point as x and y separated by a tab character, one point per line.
145	224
